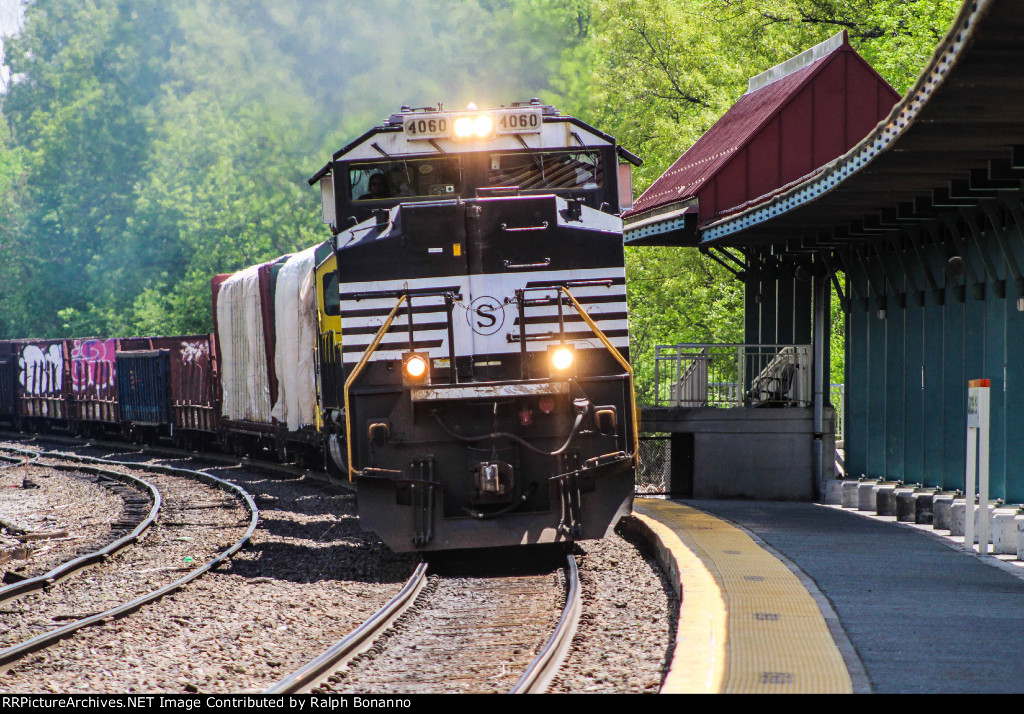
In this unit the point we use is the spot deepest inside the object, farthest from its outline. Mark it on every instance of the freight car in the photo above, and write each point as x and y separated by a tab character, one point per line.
137	388
458	348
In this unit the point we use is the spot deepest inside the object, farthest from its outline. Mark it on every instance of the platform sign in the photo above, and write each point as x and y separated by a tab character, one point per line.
977	463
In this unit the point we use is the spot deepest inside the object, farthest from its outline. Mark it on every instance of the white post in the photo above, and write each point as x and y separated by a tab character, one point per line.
978	391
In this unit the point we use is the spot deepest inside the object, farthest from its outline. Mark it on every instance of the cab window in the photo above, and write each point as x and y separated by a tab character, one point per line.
382	180
329	288
550	171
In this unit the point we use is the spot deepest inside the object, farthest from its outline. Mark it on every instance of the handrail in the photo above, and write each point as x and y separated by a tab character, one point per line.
622	361
357	371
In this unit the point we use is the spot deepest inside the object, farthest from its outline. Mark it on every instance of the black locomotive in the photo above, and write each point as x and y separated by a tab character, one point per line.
458	348
487	396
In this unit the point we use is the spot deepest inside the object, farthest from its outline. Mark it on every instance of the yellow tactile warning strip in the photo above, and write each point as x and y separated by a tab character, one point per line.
761	633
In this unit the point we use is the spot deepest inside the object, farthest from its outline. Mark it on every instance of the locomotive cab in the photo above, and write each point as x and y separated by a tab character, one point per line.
529	149
485	392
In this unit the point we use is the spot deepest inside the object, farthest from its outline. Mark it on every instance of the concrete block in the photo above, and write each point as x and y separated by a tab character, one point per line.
866	495
942	516
924	503
905	505
832	492
957	527
1004	530
850	493
885	499
956	521
1019	520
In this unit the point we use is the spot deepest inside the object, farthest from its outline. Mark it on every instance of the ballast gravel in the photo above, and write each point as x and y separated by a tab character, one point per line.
309	577
627	629
48	517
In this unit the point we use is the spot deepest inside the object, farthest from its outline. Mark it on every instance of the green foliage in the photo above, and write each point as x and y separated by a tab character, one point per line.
666	70
153	145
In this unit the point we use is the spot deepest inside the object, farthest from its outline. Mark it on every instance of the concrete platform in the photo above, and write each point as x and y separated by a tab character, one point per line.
906	611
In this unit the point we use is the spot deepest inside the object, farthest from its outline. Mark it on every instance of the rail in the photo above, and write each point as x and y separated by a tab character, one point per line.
542	670
359	640
16	652
358	369
67	569
732	375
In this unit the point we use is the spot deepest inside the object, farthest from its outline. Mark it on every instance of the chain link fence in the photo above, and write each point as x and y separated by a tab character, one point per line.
652	475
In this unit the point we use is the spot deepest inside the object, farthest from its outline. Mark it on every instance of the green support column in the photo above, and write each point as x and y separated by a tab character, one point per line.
914	415
876	383
803	311
751	307
767	330
1013	415
892	332
932	402
784	308
954	387
995	355
855	439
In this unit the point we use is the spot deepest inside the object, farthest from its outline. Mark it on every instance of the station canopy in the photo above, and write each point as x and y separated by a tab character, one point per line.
955	139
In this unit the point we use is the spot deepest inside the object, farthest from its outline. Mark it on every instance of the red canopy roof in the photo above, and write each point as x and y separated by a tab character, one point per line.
793	119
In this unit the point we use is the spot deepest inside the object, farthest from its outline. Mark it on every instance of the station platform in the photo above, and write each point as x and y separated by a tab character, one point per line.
796	597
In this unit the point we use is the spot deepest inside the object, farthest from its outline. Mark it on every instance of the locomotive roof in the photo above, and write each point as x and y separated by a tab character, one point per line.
556	132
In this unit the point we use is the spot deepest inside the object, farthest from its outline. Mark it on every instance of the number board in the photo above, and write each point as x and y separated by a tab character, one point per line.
427	126
518	121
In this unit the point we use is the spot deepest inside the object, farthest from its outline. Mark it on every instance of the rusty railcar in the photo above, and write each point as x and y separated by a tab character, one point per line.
43	389
167	386
92	397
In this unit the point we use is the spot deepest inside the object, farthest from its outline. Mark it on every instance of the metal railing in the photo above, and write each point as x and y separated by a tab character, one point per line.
732	375
837	396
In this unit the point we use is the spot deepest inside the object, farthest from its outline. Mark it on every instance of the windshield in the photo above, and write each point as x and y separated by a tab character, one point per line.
547	171
373	180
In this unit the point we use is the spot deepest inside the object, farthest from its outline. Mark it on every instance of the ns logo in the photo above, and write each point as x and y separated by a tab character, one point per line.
485	315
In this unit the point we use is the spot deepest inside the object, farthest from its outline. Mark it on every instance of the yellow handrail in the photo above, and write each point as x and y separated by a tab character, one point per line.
625	365
355	373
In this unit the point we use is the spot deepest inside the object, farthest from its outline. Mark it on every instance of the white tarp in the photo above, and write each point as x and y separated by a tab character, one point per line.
243	375
295	329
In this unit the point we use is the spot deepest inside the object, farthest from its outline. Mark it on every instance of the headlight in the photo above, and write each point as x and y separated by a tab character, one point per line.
464	127
483	125
480	126
415	368
561	358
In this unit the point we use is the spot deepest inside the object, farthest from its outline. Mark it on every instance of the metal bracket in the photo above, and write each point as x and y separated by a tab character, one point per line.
844	302
1004	243
998	286
938	295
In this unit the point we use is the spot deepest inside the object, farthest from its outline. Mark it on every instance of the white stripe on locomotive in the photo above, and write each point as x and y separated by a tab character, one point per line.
483	320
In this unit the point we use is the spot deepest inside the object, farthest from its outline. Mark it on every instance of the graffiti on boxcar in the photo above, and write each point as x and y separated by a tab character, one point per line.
41	369
92	364
194	351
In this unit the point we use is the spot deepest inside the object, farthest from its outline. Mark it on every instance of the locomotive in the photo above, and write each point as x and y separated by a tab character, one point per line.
458	349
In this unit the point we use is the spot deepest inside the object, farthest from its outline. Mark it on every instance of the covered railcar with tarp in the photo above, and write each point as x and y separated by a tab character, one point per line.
266	331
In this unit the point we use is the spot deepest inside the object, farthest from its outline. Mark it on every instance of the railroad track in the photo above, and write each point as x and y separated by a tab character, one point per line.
187	501
142	503
455	642
165	452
